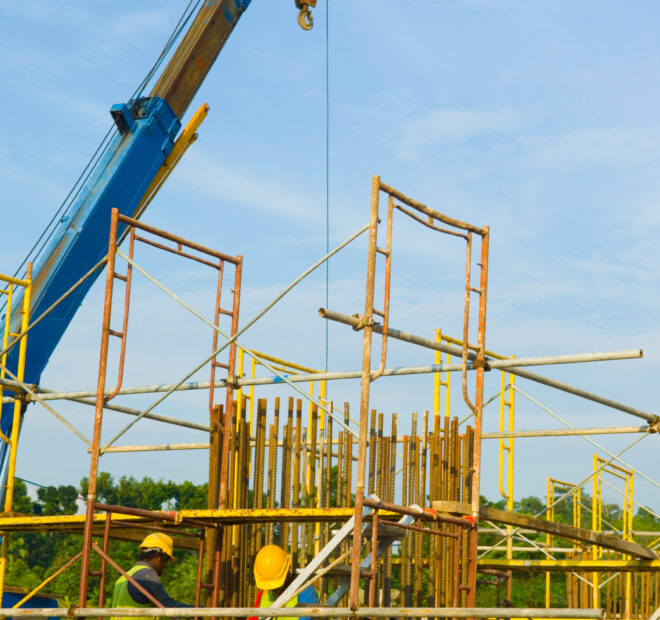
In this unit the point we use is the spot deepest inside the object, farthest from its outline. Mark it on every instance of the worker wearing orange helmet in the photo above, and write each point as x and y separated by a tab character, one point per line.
272	575
156	550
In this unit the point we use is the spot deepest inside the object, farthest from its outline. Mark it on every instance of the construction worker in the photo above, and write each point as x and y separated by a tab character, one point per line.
272	575
155	552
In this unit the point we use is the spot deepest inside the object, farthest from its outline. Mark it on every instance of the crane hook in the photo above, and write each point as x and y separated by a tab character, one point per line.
305	19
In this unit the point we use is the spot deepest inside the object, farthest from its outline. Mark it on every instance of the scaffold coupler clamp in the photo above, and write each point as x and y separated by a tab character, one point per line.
363	322
654	425
481	362
305	19
25	397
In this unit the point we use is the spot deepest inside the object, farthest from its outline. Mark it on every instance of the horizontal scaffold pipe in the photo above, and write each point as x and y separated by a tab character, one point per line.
46	394
567	432
316	612
506	364
354	322
164	447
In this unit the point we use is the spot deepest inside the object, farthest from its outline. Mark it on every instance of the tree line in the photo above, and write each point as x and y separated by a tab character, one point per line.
33	556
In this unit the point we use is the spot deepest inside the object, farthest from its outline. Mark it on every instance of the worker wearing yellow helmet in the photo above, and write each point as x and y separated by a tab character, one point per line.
272	575
156	550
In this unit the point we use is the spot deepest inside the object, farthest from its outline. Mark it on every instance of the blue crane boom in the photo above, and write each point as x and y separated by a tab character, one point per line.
146	131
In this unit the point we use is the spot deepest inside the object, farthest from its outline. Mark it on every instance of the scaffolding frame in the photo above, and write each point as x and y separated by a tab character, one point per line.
453	227
13	285
473	358
219	455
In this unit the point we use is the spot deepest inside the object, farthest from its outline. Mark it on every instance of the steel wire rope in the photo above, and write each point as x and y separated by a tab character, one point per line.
600	585
243	329
74	192
327	173
229	339
65	203
572	490
591	441
46	406
52	307
174	36
634	501
539	547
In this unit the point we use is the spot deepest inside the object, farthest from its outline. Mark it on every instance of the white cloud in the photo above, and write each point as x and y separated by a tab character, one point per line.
612	147
203	174
443	126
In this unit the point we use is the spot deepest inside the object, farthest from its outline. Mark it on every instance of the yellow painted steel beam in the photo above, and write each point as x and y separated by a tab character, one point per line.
472	347
11	280
185	139
228	516
12	440
282	362
600	565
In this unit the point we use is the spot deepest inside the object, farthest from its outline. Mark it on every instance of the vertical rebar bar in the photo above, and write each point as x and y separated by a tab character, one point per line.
231	366
313	529
295	503
372	453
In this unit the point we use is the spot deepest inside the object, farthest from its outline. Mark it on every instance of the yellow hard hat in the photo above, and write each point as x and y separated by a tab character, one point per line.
271	567
159	541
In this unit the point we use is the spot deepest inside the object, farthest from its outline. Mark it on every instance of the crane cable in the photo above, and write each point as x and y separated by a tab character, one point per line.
36	250
327	173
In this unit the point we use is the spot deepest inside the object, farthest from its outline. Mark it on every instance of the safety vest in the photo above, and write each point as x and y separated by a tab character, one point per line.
266	598
122	598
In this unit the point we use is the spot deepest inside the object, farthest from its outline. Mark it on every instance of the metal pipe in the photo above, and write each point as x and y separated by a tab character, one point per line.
439	346
176	239
157	515
54	305
479	405
128	577
591	441
98	413
318	612
562	432
104	564
365	384
46	581
48	408
420	513
436	215
231	363
229	342
48	394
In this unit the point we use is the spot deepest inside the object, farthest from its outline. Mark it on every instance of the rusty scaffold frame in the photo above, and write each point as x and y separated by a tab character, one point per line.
219	453
446	225
223	529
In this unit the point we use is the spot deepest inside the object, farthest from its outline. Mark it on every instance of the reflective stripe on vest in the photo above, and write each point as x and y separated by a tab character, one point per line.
266	598
122	598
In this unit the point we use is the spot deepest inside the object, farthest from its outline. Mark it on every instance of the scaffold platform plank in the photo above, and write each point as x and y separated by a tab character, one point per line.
550	527
572	565
15	522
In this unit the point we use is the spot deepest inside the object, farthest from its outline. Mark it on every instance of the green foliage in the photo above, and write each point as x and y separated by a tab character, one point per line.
35	556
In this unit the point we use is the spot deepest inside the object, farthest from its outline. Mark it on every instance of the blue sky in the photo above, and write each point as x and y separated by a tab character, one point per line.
537	119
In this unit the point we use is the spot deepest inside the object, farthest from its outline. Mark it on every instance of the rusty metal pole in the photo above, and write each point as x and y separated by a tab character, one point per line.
367	321
224	469
200	569
104	564
98	414
479	398
373	585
